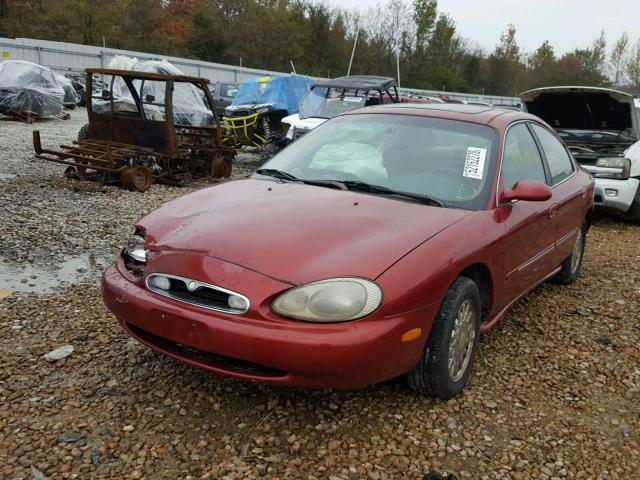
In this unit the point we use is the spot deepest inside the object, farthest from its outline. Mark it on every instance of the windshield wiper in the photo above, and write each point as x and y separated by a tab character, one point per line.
280	174
358	185
355	185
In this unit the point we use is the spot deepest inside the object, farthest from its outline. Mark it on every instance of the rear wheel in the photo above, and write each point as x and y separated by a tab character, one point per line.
222	164
83	134
572	265
447	361
267	151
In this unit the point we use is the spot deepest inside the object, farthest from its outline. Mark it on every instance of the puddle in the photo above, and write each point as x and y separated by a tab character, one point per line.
39	278
7	176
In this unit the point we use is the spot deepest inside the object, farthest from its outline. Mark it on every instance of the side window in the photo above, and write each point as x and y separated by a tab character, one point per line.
521	159
560	163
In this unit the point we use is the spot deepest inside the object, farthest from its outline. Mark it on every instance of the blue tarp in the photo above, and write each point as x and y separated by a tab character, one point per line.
283	92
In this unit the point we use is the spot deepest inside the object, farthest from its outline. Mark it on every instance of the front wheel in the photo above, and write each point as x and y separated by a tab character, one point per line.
571	266
447	361
633	213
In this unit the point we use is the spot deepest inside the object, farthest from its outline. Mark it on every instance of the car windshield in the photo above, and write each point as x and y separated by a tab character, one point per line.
322	102
448	160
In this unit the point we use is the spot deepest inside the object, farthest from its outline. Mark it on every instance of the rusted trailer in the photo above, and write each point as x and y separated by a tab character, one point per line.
145	128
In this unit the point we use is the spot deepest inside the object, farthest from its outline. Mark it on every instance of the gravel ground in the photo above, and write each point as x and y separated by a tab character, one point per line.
555	392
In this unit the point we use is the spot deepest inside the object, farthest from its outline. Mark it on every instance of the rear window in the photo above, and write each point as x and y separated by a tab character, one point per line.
558	159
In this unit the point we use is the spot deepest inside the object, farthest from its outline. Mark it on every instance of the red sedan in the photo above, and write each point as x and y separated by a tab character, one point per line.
380	244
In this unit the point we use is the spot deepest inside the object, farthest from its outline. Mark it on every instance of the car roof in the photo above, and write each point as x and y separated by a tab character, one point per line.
455	111
360	82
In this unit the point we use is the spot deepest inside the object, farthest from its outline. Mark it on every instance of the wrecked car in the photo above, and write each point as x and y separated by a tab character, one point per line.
599	126
223	94
187	99
140	136
71	97
329	98
380	244
256	112
29	91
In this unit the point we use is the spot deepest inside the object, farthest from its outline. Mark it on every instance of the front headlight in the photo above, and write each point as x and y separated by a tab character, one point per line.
135	248
332	300
618	167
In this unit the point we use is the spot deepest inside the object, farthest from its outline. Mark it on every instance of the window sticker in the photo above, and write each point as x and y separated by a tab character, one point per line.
474	163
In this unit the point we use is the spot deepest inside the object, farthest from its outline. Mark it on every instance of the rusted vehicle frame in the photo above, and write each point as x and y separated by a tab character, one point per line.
120	145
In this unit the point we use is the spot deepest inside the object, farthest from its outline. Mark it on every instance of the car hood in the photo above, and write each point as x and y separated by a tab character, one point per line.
294	232
308	123
583	108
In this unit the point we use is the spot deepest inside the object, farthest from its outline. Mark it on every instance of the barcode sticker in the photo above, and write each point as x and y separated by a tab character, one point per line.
474	163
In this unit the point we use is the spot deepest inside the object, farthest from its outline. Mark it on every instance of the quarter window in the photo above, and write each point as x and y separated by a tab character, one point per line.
560	163
521	159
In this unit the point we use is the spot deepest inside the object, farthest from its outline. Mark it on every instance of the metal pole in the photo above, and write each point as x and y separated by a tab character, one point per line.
355	42
398	64
292	66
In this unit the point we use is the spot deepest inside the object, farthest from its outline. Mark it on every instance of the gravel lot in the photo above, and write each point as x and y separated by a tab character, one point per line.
555	392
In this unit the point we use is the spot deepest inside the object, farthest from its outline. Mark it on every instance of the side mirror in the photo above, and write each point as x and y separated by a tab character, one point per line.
149	98
106	94
528	190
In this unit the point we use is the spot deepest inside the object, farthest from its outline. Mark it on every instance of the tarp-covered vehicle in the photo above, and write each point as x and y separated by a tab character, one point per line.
599	126
29	91
71	97
142	129
255	114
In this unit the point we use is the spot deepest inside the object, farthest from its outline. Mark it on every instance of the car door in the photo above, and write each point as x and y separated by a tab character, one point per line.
529	238
567	201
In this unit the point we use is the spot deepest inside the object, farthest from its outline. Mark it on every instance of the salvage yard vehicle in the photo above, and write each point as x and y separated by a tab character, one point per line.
599	125
223	94
329	98
380	244
29	92
255	114
137	135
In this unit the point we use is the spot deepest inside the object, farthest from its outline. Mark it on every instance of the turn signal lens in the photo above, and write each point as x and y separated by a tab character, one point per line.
411	334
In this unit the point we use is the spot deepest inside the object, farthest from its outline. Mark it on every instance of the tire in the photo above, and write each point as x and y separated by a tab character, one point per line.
136	178
572	265
222	164
83	134
267	151
633	214
432	375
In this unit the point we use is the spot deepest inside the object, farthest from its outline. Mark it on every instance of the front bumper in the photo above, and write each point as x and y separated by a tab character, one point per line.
615	194
264	347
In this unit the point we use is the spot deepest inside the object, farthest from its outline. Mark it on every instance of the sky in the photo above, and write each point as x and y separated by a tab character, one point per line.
567	24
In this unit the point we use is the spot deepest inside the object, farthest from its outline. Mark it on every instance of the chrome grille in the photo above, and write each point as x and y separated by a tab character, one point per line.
195	292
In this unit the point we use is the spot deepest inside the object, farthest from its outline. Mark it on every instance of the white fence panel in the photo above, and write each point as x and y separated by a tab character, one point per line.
64	56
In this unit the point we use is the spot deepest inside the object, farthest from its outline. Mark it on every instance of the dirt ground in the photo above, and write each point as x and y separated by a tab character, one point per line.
555	393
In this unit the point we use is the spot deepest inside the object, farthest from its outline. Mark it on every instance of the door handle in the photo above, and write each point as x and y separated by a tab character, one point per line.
552	210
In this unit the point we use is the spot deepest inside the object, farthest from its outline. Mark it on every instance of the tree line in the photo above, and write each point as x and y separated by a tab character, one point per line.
317	39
